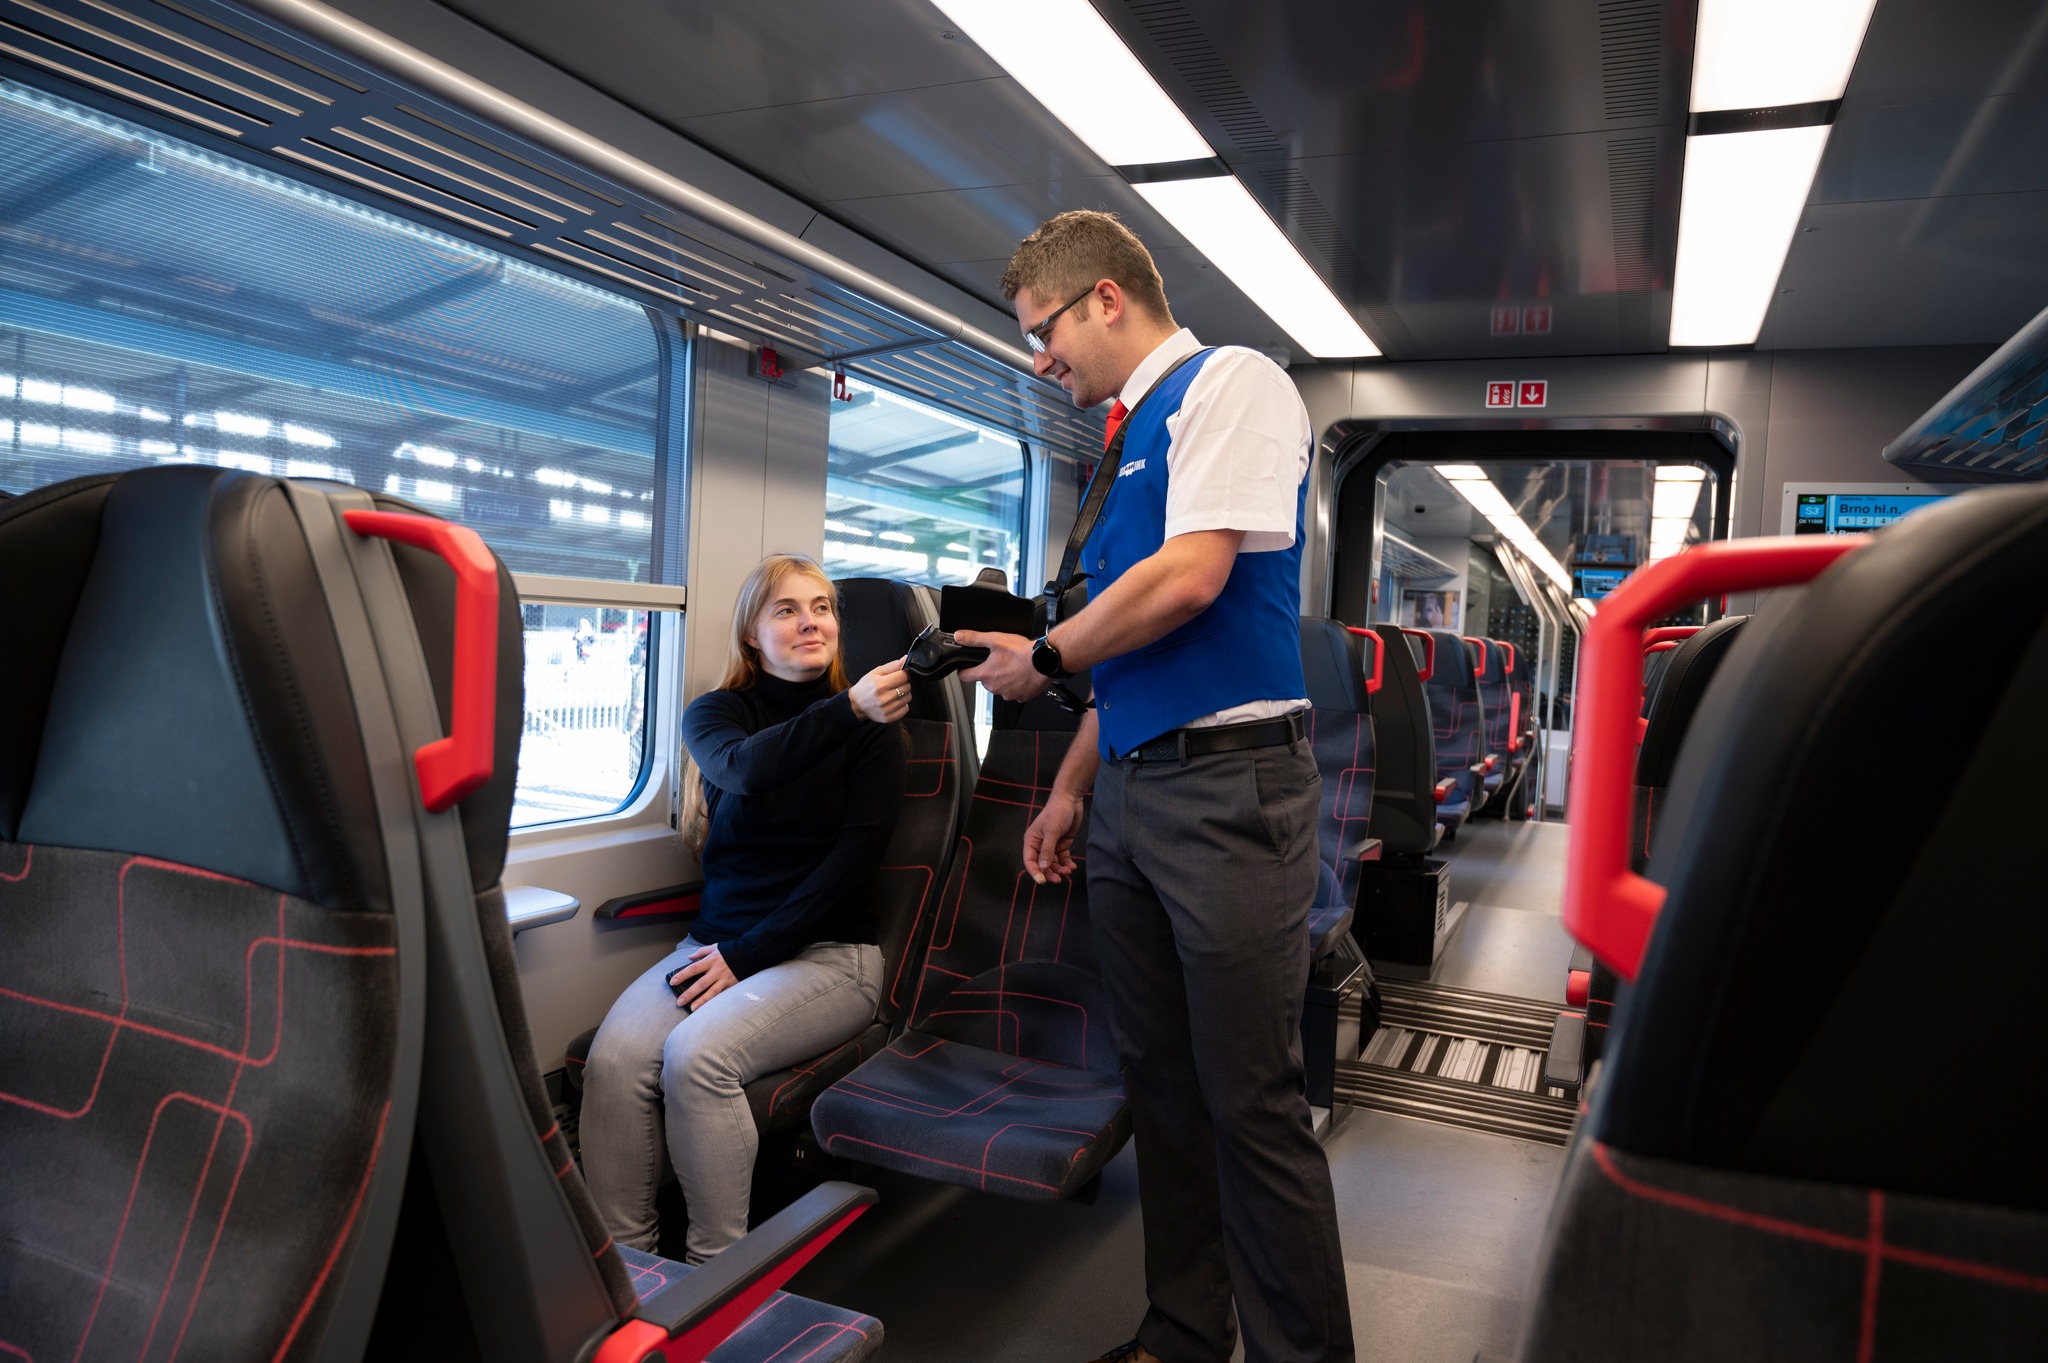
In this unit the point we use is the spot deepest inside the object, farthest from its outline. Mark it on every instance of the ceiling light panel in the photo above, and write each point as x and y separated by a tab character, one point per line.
1743	196
1074	64
1755	54
1220	219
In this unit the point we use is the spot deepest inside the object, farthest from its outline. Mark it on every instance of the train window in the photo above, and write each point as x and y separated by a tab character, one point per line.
918	494
583	752
167	305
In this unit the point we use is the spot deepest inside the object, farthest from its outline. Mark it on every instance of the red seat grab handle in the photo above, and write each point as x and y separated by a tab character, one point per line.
450	768
1480	644
1428	651
1379	658
1607	906
1670	634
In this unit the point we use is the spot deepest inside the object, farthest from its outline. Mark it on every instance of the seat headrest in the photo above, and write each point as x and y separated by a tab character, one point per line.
175	688
1679	684
1454	660
1333	662
878	619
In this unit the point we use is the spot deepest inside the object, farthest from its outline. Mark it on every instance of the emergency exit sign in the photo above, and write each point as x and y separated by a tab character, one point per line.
1506	393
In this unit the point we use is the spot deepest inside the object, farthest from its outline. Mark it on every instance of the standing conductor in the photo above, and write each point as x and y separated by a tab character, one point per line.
1202	854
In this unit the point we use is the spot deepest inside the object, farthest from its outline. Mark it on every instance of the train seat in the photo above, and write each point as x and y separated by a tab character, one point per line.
1404	752
1785	1156
1458	722
230	1131
1495	740
1007	1077
879	618
1340	678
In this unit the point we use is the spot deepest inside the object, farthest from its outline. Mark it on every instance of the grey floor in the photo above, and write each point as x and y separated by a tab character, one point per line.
1440	1225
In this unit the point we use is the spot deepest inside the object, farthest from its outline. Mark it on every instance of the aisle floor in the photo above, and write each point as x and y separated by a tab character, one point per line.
1440	1226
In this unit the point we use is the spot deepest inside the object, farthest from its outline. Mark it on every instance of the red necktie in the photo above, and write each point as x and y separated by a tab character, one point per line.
1117	414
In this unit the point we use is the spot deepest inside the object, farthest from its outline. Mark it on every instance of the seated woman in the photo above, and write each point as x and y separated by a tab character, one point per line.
791	794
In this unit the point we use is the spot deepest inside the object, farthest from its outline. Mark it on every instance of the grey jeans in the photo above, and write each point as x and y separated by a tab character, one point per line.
655	1070
1200	879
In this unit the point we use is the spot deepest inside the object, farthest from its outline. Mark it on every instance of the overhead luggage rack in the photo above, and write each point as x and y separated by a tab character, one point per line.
1993	426
321	97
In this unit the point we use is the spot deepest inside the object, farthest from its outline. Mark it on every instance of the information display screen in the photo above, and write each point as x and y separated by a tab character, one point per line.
1848	513
1595	583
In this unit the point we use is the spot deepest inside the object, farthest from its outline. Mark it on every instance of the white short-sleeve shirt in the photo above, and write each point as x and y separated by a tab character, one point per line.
1237	451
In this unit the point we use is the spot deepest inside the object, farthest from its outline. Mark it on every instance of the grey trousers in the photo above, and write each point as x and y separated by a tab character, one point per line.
1200	881
657	1072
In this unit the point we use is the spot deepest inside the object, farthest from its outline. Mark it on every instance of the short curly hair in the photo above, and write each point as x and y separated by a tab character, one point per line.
1072	250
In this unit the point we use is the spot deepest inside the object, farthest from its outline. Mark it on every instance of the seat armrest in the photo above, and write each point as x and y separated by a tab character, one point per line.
530	906
672	901
693	1315
1370	849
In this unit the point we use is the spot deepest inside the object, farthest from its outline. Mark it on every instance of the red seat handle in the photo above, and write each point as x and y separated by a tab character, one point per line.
1607	906
1379	658
450	768
1671	633
1428	669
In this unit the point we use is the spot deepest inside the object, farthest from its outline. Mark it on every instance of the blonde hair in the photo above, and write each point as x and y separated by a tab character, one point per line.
743	669
1069	252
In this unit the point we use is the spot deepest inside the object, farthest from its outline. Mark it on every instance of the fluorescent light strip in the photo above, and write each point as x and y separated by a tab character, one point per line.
1475	487
1755	54
1221	219
1743	196
1073	63
1744	191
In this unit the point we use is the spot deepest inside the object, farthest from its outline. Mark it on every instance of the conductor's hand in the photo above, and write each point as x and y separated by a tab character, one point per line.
1049	842
883	695
1008	671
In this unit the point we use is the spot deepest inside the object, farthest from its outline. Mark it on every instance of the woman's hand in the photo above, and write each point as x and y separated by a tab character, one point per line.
883	695
712	975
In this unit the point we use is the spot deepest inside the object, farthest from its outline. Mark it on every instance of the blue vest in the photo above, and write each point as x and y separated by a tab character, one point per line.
1246	646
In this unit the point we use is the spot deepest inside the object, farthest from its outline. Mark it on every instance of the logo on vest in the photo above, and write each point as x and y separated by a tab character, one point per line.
1128	469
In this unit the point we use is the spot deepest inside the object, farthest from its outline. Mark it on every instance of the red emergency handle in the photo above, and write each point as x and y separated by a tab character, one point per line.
450	768
1606	905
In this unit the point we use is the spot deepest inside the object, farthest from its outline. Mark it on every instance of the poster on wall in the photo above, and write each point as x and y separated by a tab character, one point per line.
1429	609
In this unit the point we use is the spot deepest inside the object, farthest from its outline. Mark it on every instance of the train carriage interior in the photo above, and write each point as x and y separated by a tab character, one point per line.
396	395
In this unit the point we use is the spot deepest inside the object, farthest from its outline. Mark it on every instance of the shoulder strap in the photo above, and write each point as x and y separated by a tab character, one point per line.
1090	514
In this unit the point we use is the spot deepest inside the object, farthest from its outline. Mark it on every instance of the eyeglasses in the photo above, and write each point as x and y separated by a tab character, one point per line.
1037	336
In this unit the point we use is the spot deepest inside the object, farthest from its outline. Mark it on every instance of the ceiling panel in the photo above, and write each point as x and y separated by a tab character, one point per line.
962	136
680	59
1454	169
1938	271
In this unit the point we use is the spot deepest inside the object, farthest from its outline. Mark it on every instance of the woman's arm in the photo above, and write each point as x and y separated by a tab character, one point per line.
731	758
874	796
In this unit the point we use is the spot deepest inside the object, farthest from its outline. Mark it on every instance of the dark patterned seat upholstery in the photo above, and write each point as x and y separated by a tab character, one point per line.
1404	750
224	922
1458	724
1335	663
783	1329
1762	1172
1006	1077
200	1012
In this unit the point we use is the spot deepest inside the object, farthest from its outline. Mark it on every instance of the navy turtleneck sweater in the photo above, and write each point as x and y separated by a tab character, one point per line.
803	798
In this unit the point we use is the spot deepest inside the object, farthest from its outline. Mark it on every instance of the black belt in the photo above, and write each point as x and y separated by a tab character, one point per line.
1181	744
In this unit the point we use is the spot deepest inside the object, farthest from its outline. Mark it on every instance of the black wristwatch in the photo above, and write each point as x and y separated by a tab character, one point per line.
1046	658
